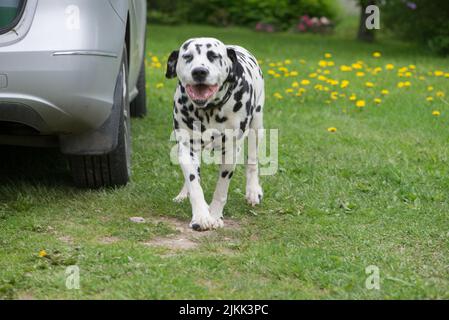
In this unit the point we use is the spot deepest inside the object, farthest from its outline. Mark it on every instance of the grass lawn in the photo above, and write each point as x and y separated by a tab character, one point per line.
375	192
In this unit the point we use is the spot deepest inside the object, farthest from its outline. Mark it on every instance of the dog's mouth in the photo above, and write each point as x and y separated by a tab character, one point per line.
201	93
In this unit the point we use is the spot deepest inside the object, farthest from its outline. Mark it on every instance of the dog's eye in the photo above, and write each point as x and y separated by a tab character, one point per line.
188	57
212	56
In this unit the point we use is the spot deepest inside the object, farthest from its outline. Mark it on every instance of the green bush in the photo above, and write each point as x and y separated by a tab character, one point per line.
420	20
282	14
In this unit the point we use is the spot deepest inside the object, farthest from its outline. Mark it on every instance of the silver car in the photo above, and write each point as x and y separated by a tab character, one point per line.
71	74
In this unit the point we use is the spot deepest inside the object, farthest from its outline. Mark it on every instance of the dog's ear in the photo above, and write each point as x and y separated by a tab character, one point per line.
233	57
171	65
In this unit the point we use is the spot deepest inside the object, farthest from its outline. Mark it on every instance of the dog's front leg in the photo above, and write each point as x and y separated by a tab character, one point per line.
224	179
201	218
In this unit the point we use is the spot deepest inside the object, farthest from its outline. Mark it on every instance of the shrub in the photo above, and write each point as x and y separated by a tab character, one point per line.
420	20
281	14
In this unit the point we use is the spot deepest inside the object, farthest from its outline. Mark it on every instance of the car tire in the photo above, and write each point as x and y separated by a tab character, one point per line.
114	168
139	104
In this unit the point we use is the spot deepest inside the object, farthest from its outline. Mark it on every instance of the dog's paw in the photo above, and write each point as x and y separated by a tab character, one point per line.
181	196
254	195
206	222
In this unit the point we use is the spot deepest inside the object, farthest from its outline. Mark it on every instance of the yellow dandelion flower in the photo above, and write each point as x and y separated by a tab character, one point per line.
272	64
277	75
446	75
440	94
436	113
322	78
283	69
377	54
429	88
332	129
322	63
289	90
330	63
318	87
360	74
328	55
326	72
377	100
360	103
43	253
345	68
277	95
438	73
288	61
385	92
154	59
159	85
305	82
389	66
334	95
295	84
357	65
408	74
369	84
400	84
429	99
353	97
302	61
407	84
403	69
412	67
344	84
294	73
271	72
313	75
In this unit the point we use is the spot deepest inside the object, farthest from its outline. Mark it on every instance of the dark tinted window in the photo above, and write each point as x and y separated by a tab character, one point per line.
9	12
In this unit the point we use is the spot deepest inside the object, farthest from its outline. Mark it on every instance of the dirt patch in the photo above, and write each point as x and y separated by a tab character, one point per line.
185	238
66	239
109	240
25	296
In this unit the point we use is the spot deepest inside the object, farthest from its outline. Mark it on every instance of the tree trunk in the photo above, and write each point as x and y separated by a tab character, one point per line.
364	34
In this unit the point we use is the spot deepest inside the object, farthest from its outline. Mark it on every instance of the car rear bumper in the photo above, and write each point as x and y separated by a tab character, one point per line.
67	91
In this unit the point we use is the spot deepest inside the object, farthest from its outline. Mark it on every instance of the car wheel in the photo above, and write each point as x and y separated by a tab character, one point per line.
112	169
139	104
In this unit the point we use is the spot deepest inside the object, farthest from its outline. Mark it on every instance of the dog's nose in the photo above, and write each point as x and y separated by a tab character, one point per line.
199	74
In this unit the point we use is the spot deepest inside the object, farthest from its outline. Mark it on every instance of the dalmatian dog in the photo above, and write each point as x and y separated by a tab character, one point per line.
220	89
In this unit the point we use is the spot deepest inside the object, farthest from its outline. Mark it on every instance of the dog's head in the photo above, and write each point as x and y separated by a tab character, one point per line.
202	65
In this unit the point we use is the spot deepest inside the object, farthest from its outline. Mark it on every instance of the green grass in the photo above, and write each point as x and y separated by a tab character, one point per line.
373	193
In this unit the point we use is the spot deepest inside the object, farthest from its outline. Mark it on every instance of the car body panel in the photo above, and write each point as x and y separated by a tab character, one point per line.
63	57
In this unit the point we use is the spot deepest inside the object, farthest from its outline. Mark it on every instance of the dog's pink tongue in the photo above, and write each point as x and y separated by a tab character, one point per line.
201	92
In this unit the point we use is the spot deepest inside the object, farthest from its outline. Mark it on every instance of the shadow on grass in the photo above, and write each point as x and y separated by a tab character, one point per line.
33	166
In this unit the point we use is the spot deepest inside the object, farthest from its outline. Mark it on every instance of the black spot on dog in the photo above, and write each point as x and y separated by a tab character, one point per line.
175	124
208	45
224	174
186	45
237	106
198	48
259	108
192	177
231	174
243	125
220	120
